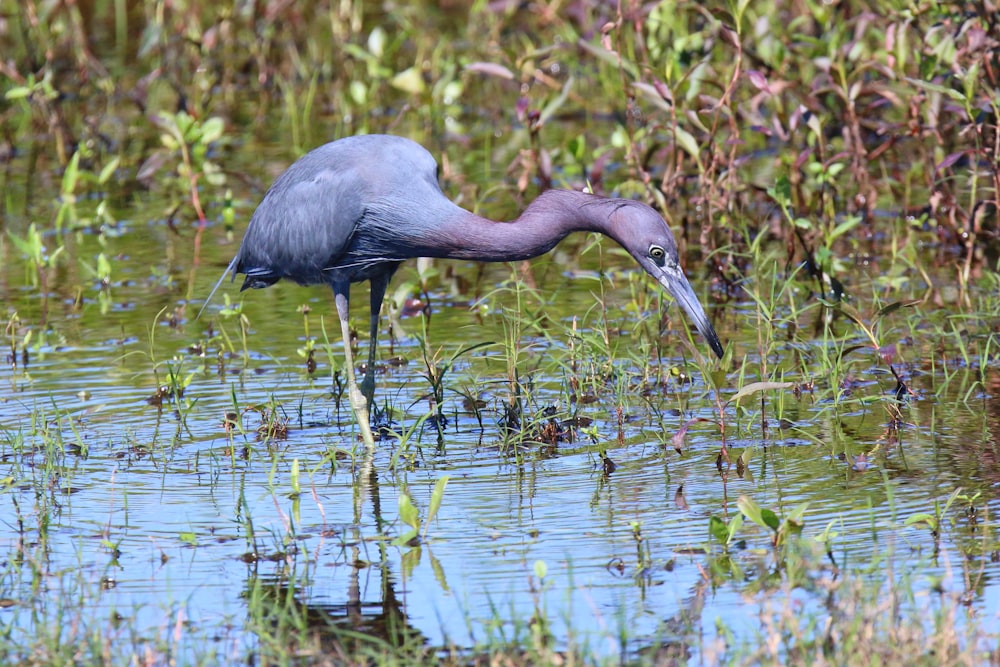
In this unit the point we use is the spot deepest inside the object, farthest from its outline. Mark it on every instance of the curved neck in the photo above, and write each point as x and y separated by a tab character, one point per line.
544	223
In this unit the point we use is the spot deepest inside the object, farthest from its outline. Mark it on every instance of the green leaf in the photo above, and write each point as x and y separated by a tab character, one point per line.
51	259
717	529
577	147
781	191
844	227
359	93
29	245
795	516
357	52
935	88
687	141
169	141
405	539
755	387
103	268
410	80
108	170
186	125
741	7
828	534
922	517
436	496
408	513
212	129
734	527
18	93
835	169
71	175
751	510
541	569
893	307
296	489
970	80
770	519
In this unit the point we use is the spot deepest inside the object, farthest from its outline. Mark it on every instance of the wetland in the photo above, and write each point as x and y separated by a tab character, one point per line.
565	473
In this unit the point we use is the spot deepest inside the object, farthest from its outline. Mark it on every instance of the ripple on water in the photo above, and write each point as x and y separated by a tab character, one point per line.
163	499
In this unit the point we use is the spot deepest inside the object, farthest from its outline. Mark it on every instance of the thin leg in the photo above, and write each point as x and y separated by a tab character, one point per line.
358	403
379	284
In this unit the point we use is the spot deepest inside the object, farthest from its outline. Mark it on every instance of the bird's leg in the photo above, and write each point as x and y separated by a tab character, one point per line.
379	284
358	403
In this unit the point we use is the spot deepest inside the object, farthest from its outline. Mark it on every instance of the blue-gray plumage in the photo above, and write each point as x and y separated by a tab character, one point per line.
354	209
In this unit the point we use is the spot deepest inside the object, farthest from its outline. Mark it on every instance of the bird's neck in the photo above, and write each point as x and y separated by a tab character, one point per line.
543	224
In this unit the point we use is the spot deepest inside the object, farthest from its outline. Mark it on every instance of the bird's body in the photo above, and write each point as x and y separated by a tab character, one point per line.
317	222
354	209
322	223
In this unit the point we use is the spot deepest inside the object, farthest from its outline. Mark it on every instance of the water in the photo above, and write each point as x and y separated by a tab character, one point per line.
161	516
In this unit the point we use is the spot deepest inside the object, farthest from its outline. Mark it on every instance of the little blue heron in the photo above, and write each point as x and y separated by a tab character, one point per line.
356	208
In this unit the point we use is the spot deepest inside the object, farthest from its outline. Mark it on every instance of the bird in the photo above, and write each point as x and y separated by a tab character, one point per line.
356	208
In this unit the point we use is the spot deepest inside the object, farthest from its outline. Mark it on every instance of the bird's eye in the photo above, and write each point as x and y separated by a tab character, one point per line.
657	253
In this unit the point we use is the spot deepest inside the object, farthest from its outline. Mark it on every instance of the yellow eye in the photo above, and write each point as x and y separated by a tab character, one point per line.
656	252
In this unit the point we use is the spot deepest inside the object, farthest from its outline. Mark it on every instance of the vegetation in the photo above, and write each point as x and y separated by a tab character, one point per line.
561	459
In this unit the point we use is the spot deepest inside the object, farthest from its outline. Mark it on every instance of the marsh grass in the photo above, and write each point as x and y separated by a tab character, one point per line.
830	171
883	609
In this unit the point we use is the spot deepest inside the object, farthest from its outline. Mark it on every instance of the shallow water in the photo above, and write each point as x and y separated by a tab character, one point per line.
152	511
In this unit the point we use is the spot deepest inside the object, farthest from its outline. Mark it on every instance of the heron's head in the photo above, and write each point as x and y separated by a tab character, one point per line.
646	236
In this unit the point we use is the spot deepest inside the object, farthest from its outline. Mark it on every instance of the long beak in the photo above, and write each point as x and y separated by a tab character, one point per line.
229	271
680	289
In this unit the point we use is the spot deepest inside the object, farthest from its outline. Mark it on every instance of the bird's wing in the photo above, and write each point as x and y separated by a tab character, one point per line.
303	226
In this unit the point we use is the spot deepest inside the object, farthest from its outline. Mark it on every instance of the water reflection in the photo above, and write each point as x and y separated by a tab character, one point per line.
152	510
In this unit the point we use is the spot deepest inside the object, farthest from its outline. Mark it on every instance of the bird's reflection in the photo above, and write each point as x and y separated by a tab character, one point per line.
288	611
